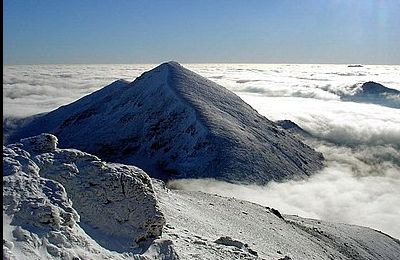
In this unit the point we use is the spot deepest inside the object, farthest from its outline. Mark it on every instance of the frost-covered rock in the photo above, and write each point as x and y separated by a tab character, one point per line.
173	123
59	202
35	208
43	143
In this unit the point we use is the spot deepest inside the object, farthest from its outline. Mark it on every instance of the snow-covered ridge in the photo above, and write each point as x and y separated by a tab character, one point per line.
173	123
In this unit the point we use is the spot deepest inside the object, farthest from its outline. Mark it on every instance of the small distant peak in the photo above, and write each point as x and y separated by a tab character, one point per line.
371	87
371	83
355	66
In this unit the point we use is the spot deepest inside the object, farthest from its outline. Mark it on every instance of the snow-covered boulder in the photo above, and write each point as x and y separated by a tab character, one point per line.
174	123
43	143
31	198
63	199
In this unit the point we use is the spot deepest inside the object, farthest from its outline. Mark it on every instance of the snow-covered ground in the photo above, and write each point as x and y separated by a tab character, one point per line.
208	226
67	204
361	184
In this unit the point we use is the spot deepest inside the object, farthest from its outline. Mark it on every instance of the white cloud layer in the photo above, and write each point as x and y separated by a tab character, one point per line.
338	121
28	90
360	185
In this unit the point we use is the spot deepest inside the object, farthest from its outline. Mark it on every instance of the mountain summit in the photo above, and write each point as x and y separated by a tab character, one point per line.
174	123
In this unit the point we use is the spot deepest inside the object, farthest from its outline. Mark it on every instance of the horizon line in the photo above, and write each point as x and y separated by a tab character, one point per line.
195	63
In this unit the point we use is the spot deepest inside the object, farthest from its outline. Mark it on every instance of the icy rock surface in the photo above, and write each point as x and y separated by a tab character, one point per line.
61	203
174	123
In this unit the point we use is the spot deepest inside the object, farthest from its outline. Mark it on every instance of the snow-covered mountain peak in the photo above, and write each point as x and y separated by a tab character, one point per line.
170	63
174	123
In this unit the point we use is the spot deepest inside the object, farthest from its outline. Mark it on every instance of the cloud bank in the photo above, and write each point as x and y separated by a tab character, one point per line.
351	189
32	89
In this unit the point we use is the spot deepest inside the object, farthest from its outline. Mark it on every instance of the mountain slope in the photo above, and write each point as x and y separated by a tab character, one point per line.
174	123
207	226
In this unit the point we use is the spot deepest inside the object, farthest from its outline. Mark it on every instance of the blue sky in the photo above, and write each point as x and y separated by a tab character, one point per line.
203	31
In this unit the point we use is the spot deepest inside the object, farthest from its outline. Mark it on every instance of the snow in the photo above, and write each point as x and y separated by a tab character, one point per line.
173	123
207	226
64	203
54	207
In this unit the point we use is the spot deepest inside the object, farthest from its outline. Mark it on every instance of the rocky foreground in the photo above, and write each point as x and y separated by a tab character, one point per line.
68	204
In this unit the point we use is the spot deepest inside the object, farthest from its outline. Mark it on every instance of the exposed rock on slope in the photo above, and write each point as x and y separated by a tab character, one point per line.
174	123
293	128
372	92
56	201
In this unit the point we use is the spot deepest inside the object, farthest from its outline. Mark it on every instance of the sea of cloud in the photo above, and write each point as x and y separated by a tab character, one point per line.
361	142
32	89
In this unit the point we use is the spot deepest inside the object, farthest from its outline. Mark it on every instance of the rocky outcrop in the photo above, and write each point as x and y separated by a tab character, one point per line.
293	128
173	123
58	198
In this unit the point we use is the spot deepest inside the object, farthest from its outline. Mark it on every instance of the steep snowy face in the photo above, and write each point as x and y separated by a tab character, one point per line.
174	123
111	202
